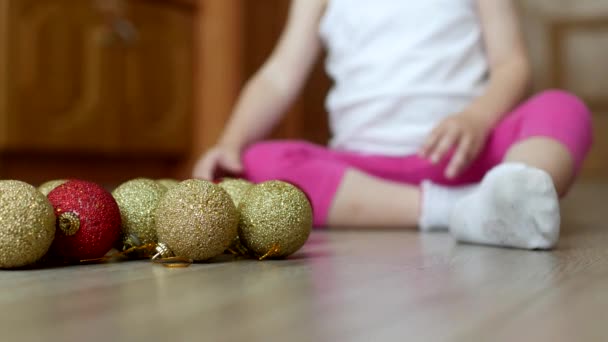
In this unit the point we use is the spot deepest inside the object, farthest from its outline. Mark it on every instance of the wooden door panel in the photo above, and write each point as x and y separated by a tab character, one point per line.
64	78
159	79
568	43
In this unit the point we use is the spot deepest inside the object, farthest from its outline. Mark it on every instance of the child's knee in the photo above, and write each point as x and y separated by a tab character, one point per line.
569	107
564	109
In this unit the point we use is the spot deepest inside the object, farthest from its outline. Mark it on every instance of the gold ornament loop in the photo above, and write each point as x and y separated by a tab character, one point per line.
173	262
274	251
146	249
69	223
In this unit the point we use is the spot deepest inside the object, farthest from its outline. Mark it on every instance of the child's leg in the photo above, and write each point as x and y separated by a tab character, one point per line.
548	155
366	201
341	194
351	190
552	132
555	135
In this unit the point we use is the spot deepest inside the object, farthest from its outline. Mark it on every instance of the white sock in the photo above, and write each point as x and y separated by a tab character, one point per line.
437	204
515	206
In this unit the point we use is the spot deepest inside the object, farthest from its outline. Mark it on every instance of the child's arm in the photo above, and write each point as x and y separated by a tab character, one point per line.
509	78
269	93
509	65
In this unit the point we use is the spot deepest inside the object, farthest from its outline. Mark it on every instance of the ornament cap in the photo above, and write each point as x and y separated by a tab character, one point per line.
168	259
69	223
163	251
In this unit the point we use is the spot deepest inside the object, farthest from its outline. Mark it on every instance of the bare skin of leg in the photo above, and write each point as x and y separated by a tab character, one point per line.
548	155
363	201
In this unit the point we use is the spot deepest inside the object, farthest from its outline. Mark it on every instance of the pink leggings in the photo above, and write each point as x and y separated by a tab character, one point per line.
318	171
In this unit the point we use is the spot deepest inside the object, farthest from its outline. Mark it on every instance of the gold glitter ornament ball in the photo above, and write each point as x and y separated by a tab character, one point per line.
168	183
137	200
49	186
27	224
196	220
236	188
275	219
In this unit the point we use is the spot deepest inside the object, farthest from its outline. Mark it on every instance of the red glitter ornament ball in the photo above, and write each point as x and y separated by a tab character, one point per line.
88	220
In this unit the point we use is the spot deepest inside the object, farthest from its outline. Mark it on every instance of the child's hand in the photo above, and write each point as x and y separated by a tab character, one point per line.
464	132
218	161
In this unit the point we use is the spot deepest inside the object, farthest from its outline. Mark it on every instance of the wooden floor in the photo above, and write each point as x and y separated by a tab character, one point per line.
344	286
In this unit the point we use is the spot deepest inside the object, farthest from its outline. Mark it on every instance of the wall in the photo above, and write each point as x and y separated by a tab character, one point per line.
568	42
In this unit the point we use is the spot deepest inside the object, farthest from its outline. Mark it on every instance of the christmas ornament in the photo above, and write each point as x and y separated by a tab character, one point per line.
275	219
236	188
196	220
88	220
49	186
137	200
27	224
168	183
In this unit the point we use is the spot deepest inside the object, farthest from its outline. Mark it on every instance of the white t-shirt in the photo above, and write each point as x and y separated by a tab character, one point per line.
399	67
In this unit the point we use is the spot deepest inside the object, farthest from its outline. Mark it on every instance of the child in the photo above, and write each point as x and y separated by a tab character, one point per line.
428	128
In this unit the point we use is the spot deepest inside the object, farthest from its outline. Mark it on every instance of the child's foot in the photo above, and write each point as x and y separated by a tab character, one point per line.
515	206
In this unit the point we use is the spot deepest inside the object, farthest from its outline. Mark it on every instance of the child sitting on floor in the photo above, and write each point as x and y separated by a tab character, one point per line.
428	124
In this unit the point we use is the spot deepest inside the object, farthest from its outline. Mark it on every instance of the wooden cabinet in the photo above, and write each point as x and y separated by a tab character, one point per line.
71	82
63	85
158	80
